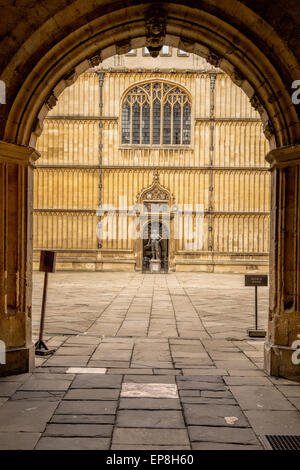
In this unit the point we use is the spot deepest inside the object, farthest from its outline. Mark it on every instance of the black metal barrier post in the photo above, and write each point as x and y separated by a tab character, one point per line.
47	265
256	280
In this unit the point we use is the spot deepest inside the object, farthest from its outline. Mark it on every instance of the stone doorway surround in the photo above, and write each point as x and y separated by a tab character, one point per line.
264	63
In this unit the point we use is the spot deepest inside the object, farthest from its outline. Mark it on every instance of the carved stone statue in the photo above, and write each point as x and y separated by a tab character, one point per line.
154	242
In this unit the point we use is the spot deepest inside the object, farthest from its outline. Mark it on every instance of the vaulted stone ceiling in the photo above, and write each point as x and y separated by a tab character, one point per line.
42	42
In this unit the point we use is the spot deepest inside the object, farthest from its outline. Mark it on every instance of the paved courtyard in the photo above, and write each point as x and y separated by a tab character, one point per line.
147	362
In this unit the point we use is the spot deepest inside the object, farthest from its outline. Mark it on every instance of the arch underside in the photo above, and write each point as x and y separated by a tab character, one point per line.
120	30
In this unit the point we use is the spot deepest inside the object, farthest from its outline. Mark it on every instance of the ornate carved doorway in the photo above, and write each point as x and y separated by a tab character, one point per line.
155	219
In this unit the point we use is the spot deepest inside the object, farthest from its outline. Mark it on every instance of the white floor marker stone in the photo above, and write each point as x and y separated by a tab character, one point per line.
152	390
86	370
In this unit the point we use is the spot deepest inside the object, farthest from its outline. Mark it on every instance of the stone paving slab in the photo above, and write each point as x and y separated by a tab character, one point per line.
151	390
74	361
295	402
206	371
96	381
247	381
163	379
150	419
274	422
38	395
228	435
78	430
260	398
223	446
15	378
130	371
82	419
8	388
86	407
212	415
26	416
72	351
35	383
289	391
74	443
204	400
93	394
154	437
201	386
150	404
18	440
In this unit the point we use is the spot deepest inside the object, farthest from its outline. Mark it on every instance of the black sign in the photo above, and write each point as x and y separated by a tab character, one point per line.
256	280
47	261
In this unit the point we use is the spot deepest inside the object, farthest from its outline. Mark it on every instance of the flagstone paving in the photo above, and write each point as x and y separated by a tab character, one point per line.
171	367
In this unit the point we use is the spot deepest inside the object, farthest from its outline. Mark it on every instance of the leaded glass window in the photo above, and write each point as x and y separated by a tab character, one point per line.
157	113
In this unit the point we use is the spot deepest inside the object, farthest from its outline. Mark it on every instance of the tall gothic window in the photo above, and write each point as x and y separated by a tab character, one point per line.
157	113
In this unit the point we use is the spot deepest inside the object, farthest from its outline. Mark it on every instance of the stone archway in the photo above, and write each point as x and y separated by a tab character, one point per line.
259	55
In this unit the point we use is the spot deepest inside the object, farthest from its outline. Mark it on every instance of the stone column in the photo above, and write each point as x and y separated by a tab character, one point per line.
284	314
16	192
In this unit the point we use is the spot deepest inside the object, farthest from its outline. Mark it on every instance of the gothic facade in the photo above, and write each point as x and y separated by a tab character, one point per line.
171	139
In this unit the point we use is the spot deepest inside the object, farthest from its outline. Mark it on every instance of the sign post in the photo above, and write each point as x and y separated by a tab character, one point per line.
256	280
47	265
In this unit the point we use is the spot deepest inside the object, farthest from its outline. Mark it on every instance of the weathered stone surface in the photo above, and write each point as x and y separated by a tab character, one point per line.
150	419
78	430
63	361
82	419
87	407
223	446
260	398
222	434
274	422
130	371
141	436
7	389
93	394
18	440
206	372
290	391
150	403
40	383
203	378
201	386
247	381
26	416
164	379
153	390
216	394
96	381
73	443
86	370
212	415
38	395
210	401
